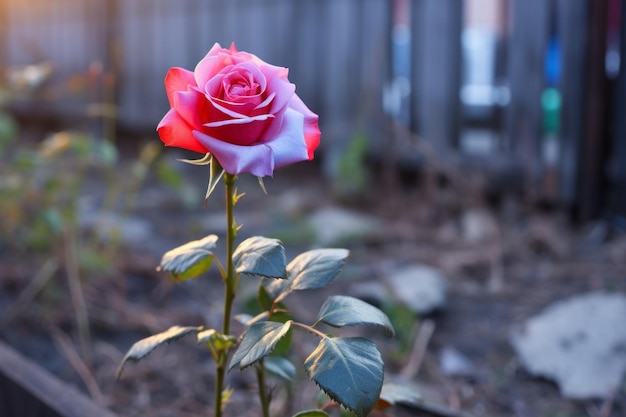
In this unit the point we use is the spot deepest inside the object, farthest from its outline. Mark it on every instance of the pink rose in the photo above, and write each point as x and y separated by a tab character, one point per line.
241	110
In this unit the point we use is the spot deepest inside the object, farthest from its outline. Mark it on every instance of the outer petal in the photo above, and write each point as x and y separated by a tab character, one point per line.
174	131
191	105
258	159
312	132
178	79
289	146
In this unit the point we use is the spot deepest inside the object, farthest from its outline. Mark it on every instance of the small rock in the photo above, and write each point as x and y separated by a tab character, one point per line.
422	288
336	226
580	343
478	225
453	362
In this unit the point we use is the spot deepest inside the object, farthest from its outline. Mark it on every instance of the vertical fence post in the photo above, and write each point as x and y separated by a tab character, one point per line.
572	24
437	27
593	146
525	63
617	163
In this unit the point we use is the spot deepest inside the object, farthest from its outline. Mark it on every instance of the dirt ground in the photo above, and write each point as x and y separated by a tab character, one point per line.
523	258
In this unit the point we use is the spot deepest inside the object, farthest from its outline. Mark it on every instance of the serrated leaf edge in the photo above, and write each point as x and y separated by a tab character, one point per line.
387	326
285	328
333	396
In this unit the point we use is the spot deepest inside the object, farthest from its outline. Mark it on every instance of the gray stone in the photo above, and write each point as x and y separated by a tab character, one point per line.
579	343
422	288
478	226
454	363
335	226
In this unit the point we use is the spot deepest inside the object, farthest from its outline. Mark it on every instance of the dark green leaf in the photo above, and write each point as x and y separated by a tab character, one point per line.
341	310
394	393
277	289
311	413
258	342
349	370
315	268
143	347
310	270
189	260
280	367
261	256
265	301
283	347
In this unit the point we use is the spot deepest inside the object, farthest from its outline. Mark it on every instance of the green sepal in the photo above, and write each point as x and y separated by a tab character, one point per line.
216	174
349	370
189	260
205	160
262	185
341	310
145	346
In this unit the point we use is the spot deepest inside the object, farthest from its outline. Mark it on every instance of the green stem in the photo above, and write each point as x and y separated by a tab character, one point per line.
265	401
309	329
229	282
231	234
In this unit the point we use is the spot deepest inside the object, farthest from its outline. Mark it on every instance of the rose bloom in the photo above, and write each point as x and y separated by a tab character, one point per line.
241	110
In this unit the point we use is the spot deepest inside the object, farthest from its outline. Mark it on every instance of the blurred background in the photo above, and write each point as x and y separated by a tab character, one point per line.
532	91
479	142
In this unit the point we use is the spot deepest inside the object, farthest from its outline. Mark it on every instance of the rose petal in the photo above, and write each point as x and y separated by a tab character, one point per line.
265	102
228	112
255	159
190	105
289	146
239	131
177	79
283	89
208	66
312	132
239	121
174	131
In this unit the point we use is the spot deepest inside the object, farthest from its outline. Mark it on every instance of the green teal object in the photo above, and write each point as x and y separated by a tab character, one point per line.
551	108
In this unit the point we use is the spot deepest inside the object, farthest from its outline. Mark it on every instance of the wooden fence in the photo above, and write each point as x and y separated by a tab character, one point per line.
339	54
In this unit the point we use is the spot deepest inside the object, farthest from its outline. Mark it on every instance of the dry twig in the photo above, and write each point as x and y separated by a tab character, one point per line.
64	344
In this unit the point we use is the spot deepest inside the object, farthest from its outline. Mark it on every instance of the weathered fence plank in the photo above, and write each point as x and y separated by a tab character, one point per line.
526	52
437	28
573	34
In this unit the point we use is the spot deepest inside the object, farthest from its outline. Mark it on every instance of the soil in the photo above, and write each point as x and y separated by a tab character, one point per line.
497	279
